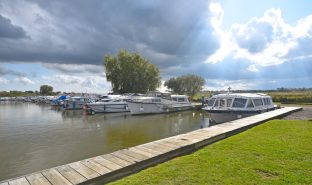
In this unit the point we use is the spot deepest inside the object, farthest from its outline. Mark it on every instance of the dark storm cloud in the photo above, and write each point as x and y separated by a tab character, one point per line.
8	30
81	32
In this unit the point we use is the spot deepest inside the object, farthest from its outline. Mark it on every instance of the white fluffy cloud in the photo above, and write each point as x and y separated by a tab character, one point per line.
3	81
265	40
82	83
24	80
225	84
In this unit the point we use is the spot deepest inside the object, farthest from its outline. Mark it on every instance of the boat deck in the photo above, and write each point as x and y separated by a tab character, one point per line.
109	167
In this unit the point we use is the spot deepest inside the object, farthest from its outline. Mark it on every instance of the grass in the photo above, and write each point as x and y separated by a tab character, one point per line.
277	152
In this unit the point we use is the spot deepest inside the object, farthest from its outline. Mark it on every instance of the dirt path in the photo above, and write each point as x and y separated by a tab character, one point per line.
305	114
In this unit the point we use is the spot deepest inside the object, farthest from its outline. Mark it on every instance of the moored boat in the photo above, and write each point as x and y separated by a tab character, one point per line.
108	106
156	102
231	106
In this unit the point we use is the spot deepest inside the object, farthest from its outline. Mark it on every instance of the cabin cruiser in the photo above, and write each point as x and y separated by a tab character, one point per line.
231	106
156	102
108	105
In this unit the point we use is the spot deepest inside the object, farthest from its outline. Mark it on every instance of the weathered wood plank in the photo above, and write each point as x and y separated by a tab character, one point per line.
96	166
140	151
158	148
37	179
180	143
108	164
117	160
125	157
84	170
167	144
70	174
19	181
133	154
149	150
55	177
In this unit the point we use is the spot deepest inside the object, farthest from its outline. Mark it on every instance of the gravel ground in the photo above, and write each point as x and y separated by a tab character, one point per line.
304	114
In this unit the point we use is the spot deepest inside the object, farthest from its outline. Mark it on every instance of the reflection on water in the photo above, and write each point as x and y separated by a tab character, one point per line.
35	137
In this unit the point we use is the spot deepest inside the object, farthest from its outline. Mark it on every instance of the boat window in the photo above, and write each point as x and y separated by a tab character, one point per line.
228	102
250	104
222	103
257	102
216	103
239	102
181	100
211	101
174	99
156	100
267	101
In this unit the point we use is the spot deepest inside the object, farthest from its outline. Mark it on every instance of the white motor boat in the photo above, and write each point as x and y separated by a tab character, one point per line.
108	105
156	102
231	106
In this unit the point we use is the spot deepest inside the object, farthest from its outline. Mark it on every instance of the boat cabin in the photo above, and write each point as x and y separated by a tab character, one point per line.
240	101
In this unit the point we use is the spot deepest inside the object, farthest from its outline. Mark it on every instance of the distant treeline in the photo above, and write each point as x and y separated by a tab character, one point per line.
292	97
21	93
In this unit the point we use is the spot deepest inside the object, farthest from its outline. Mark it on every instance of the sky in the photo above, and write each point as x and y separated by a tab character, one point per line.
243	44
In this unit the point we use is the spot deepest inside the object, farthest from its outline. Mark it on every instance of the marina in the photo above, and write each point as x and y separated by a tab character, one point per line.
108	167
36	136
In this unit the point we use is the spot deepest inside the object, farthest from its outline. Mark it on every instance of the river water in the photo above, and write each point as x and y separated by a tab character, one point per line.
35	137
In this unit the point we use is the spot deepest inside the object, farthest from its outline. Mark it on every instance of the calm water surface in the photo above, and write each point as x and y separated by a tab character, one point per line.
35	137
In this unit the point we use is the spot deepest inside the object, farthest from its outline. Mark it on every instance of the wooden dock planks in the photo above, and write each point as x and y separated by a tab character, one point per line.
70	174
37	179
112	166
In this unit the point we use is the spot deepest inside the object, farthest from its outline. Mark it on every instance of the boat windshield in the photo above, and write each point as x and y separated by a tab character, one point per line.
257	102
239	102
267	101
250	104
211	102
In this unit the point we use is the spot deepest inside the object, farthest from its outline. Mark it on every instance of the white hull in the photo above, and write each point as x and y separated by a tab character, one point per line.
137	108
226	117
107	107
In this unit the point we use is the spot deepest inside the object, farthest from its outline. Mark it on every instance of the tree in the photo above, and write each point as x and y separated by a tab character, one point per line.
130	73
46	90
187	84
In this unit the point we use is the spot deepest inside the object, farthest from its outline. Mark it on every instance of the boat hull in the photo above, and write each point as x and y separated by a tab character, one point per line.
107	108
139	108
221	116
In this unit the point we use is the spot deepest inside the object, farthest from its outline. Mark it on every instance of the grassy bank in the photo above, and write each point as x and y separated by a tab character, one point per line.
277	152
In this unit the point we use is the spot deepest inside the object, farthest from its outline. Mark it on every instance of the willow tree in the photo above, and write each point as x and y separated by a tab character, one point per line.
131	73
187	84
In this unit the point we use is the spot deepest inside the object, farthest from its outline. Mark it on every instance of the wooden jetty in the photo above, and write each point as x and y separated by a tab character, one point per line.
109	167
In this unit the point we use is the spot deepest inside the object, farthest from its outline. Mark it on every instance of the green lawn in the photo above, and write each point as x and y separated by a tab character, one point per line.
277	152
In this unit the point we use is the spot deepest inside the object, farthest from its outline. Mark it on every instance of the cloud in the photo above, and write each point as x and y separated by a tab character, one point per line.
3	81
168	33
4	71
75	68
8	30
266	40
83	83
252	68
225	84
24	80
